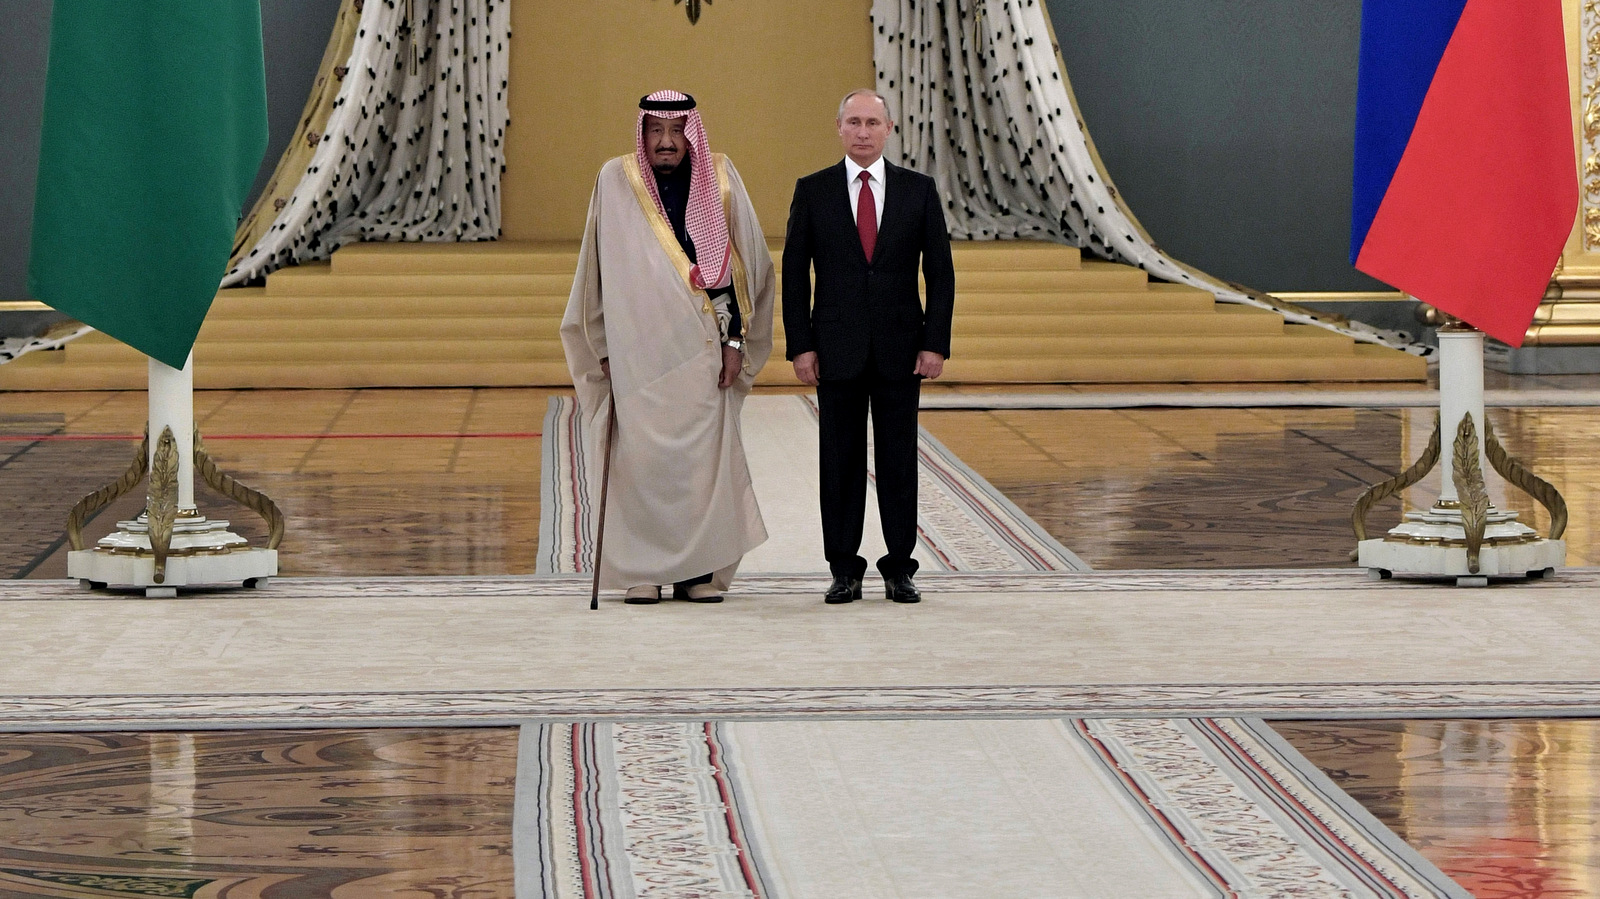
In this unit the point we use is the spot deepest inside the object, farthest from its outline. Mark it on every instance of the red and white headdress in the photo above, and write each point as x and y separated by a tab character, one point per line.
704	218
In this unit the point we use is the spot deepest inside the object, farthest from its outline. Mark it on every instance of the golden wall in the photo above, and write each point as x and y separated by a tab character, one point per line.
767	74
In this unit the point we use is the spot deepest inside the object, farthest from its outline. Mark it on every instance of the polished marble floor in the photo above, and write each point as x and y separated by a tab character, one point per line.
351	814
446	482
1508	809
372	481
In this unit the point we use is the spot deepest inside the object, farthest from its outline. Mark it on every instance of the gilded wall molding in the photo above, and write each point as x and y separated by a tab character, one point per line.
1589	78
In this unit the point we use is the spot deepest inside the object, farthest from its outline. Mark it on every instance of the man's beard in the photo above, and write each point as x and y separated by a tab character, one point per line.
667	168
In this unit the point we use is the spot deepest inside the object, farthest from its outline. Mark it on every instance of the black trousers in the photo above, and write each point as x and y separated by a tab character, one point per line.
843	407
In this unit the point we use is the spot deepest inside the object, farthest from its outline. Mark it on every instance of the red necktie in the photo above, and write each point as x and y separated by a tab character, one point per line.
867	215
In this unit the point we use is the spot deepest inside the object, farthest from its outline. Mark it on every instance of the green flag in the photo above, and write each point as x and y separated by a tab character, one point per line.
155	121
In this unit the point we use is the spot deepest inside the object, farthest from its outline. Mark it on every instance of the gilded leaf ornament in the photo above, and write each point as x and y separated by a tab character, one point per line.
161	508
1467	475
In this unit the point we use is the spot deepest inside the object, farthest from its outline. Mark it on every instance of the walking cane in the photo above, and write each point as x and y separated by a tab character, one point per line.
605	485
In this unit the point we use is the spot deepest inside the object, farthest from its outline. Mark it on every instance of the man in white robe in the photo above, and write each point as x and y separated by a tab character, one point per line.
670	319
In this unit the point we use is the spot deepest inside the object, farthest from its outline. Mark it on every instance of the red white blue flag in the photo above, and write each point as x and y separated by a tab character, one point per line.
1466	180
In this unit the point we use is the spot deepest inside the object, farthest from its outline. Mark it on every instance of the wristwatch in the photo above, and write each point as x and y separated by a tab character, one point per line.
736	344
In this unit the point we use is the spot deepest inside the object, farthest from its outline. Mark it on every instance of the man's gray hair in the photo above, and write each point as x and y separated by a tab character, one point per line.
870	92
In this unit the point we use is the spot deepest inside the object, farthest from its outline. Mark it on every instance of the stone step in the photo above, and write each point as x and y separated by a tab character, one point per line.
533	257
346	352
323	374
484	257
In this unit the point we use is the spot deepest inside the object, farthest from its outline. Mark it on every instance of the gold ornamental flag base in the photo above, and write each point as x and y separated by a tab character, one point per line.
170	544
1463	537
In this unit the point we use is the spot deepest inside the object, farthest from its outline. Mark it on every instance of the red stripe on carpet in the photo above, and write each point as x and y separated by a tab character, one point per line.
1157	815
730	814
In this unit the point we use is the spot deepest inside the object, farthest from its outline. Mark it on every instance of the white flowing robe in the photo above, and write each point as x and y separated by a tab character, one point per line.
680	503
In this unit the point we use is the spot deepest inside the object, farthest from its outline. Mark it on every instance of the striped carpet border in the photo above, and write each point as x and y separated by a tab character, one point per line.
623	809
1323	810
498	708
626	809
1250	815
534	831
564	545
735	798
971	586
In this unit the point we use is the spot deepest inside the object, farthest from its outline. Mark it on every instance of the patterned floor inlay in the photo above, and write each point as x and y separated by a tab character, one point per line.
1509	809
248	814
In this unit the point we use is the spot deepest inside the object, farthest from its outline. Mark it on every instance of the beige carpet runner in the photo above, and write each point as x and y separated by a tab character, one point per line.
963	523
818	809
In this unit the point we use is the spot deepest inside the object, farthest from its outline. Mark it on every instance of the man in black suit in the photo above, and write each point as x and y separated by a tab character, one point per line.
867	341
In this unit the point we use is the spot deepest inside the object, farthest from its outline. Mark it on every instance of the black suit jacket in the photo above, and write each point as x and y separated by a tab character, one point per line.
867	308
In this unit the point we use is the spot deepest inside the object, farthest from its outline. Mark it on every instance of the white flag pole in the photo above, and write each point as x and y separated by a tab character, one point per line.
1460	395
172	406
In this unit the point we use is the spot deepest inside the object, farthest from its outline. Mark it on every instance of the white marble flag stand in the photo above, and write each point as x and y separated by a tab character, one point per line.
202	552
1433	543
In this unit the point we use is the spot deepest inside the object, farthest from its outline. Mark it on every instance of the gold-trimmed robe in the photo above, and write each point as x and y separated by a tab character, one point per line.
680	503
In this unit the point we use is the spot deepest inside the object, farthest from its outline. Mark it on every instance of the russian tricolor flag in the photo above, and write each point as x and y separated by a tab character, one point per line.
1466	181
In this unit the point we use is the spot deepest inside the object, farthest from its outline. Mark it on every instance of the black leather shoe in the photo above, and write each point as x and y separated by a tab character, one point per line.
900	589
844	589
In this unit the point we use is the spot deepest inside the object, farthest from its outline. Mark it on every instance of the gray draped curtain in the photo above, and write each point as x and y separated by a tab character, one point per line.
414	146
985	108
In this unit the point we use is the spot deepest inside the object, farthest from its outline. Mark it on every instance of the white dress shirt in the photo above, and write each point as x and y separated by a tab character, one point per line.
853	183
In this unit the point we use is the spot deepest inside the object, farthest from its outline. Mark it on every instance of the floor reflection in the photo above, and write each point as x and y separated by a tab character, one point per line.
446	482
1507	808
381	482
1247	488
394	812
